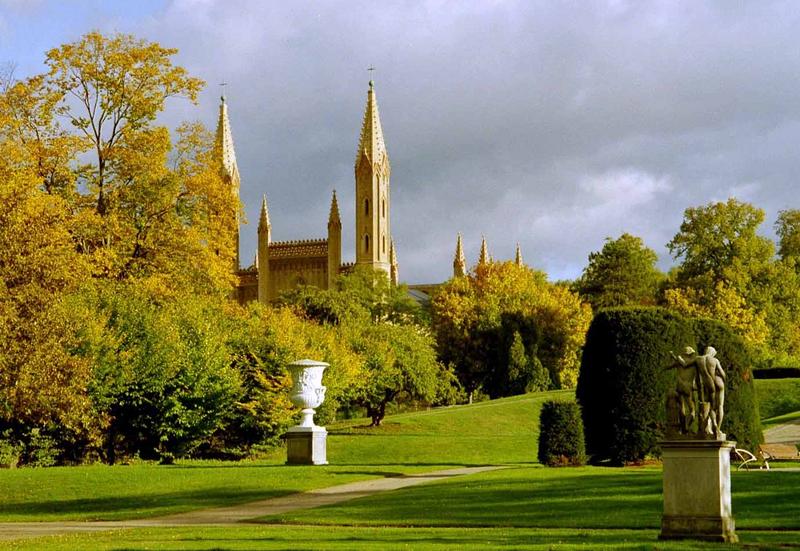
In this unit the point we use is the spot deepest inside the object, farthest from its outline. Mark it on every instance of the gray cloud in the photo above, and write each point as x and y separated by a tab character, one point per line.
552	125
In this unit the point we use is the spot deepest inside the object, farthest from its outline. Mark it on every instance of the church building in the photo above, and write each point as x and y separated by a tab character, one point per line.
285	265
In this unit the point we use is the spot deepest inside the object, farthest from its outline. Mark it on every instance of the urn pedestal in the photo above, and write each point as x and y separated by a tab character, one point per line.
306	443
697	490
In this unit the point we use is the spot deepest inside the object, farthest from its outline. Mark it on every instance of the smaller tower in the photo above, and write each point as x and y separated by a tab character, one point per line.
334	242
518	256
484	256
459	262
264	238
393	259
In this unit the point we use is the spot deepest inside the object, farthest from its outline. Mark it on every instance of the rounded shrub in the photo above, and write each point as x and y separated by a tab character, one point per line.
561	434
624	380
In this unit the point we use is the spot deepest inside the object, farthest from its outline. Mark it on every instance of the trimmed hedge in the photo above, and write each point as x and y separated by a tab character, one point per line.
777	373
742	421
561	435
624	380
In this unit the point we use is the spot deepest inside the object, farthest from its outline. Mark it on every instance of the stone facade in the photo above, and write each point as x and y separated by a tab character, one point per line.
285	265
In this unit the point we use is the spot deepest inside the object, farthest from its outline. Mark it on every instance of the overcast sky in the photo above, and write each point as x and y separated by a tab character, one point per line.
551	124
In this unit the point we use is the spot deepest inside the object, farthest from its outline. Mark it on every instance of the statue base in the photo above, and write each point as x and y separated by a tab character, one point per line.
306	446
697	490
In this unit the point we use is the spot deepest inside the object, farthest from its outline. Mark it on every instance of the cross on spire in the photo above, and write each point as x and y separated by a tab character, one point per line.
222	85
371	68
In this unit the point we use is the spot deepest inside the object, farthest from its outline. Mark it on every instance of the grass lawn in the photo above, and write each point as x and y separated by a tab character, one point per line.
484	433
524	506
777	396
346	538
539	497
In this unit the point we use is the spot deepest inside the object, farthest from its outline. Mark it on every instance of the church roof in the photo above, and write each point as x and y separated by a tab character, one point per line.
225	143
305	248
371	142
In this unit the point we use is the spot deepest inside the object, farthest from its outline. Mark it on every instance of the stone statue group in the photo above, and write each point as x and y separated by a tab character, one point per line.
699	395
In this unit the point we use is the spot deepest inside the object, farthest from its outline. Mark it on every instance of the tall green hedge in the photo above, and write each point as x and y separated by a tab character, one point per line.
624	380
742	421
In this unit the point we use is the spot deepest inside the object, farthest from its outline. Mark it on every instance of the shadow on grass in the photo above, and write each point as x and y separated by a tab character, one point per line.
540	498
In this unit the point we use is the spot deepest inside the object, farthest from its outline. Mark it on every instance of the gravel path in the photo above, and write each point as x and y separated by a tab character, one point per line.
788	433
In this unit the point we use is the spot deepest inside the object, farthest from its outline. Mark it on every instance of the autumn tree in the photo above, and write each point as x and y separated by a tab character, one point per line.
41	383
468	314
119	85
94	192
788	229
145	205
623	273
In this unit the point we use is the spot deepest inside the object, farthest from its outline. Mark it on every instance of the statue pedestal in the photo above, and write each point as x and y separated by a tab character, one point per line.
306	446
697	490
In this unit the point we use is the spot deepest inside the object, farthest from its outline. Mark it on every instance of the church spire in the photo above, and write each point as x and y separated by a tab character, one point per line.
262	257
371	143
459	262
230	171
373	203
224	143
518	256
394	277
333	217
484	256
263	219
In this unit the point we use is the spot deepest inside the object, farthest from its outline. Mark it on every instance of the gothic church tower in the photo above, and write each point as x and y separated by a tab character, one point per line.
372	171
230	171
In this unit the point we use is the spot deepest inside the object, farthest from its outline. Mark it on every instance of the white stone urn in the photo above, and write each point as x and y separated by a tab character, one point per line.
307	390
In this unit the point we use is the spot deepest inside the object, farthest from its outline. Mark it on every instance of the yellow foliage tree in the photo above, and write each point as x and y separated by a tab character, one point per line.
41	382
469	310
142	208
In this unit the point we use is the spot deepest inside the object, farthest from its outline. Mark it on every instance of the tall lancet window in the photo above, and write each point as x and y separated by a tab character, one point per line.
384	243
366	243
366	207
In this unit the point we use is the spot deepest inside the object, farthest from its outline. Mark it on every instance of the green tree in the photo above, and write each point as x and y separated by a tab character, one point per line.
399	362
716	237
385	328
729	272
623	273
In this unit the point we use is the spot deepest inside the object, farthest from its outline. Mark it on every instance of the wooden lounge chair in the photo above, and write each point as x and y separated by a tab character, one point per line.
780	452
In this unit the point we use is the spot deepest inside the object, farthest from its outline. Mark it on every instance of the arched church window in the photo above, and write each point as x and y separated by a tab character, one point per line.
384	243
383	208
366	243
366	207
